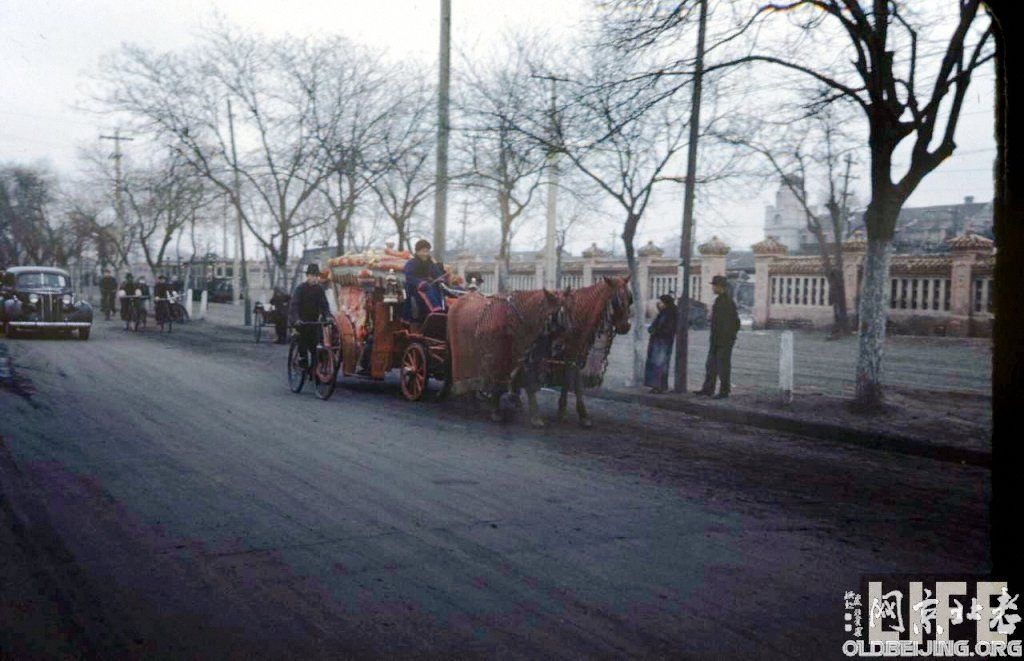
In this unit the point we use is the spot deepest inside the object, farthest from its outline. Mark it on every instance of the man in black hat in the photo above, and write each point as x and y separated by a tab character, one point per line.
422	275
108	293
309	303
725	323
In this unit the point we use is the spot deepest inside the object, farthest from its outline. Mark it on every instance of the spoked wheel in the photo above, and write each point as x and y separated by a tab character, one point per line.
326	373
296	373
413	379
257	325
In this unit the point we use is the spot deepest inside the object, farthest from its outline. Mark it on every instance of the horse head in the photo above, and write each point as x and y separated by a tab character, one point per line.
620	303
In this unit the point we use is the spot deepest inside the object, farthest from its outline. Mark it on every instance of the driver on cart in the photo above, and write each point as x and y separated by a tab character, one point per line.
308	304
423	292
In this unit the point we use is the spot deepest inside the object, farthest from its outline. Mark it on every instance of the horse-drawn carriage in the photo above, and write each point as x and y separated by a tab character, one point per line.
374	333
494	345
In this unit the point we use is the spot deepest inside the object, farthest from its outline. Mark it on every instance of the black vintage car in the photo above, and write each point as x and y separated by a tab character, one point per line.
39	298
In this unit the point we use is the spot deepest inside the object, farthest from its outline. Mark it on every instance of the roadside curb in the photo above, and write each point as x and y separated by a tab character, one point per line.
819	430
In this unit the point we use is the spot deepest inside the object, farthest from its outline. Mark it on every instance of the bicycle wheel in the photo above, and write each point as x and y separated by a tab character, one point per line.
326	373
257	325
296	373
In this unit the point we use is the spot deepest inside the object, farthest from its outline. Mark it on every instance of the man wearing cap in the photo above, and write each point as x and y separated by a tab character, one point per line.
309	303
725	324
422	275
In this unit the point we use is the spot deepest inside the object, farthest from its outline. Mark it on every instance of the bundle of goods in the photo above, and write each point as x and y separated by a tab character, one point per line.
370	264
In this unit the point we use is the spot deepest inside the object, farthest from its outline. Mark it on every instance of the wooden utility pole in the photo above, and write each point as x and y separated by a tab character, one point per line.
118	186
441	182
240	269
686	238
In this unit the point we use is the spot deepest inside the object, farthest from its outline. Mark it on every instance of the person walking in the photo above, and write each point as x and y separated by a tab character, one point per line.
659	348
725	324
108	293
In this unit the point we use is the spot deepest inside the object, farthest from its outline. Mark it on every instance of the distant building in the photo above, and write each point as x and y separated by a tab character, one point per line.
927	229
785	220
918	229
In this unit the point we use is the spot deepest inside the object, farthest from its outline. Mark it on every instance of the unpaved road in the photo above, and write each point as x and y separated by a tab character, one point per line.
167	496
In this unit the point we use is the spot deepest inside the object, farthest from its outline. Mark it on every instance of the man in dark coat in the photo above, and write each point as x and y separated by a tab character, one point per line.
108	293
725	323
309	303
280	300
659	348
422	274
128	287
162	306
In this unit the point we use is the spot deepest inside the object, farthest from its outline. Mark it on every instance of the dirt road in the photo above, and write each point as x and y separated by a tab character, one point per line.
170	497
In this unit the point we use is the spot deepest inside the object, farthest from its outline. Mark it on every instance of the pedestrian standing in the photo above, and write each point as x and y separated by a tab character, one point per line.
659	348
108	293
725	324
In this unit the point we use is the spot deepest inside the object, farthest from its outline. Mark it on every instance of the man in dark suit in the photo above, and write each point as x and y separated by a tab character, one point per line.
725	324
308	304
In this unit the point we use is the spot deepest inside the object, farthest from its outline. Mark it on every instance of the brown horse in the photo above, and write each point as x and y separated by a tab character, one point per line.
489	338
598	313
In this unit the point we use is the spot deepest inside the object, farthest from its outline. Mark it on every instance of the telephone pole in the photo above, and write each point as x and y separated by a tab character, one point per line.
686	239
551	237
240	270
441	181
118	186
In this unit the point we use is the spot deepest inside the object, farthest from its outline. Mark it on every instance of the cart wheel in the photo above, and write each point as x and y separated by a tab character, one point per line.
296	374
257	325
326	373
413	379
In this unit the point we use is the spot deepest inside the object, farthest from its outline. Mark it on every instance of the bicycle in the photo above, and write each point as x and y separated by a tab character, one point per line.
162	308
136	315
323	369
178	312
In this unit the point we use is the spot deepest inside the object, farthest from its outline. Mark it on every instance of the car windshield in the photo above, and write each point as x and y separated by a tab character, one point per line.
49	280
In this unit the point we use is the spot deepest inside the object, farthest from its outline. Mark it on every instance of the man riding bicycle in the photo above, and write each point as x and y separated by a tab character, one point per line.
308	304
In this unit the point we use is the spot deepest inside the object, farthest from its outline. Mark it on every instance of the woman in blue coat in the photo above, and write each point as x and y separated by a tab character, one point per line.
659	349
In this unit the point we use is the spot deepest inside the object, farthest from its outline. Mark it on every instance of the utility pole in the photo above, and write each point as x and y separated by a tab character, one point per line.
551	238
686	238
240	267
441	181
118	186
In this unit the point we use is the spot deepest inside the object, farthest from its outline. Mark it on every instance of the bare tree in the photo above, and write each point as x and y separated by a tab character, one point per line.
405	177
266	158
624	141
905	68
500	160
163	200
814	149
891	80
352	95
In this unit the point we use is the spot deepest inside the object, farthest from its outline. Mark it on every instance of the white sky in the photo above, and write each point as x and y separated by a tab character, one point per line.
50	47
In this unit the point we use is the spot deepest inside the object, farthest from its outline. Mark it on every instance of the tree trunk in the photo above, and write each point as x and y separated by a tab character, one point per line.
872	312
339	237
638	332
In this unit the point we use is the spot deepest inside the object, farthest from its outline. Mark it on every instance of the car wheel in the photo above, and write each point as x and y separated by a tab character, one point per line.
83	333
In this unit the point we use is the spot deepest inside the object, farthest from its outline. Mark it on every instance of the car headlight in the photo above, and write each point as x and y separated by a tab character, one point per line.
67	299
33	298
